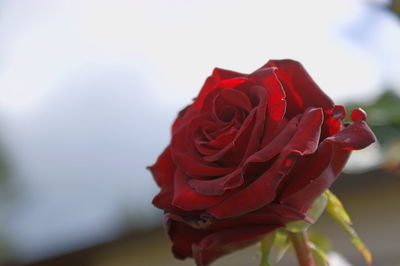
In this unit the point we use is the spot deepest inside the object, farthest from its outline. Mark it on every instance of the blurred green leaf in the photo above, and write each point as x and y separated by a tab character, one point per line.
336	210
395	7
336	206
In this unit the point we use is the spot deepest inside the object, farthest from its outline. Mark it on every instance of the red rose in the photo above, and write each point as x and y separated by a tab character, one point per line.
249	155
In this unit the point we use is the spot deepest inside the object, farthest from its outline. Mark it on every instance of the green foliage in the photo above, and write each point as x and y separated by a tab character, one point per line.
279	242
336	210
395	7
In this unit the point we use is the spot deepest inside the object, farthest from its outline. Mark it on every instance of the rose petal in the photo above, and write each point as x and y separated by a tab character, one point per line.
275	146
276	100
237	98
303	198
354	137
164	168
305	171
306	139
263	190
220	243
219	185
333	121
301	91
284	211
358	114
183	237
254	196
242	136
186	156
211	83
163	172
187	199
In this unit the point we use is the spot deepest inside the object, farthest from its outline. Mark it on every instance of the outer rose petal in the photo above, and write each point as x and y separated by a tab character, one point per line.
355	136
207	245
225	241
306	170
301	91
182	237
303	198
164	168
163	172
276	216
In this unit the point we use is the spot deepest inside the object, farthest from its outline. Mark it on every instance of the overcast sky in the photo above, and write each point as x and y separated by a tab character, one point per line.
88	90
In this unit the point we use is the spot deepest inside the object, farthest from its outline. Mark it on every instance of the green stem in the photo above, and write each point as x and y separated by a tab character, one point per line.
266	245
303	251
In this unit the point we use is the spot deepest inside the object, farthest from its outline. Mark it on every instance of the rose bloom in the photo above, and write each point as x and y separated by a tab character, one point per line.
249	155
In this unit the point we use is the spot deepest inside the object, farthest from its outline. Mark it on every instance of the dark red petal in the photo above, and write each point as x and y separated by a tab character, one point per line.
195	167
187	199
358	114
164	171
237	98
263	190
339	112
254	196
254	141
186	156
333	121
164	168
303	199
215	245
180	120
163	199
275	100
222	74
218	186
217	76
306	170
354	137
301	91
220	141
306	139
276	146
183	237
284	211
242	135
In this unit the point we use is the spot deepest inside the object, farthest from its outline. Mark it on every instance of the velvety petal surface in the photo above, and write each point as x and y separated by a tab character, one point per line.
226	241
301	90
263	189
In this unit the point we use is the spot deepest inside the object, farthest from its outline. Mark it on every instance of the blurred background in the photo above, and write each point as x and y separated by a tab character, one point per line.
89	89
